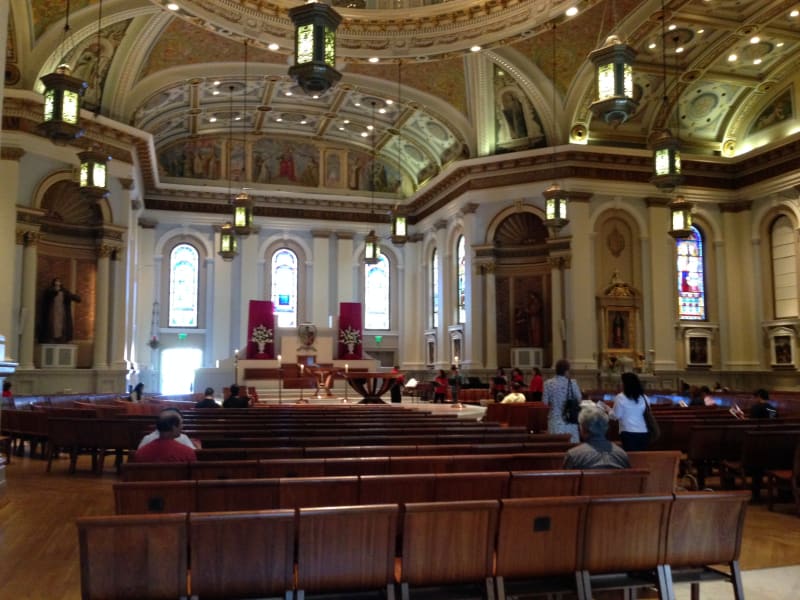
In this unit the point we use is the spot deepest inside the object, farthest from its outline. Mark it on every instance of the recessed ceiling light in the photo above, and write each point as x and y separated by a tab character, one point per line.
795	13
173	6
237	118
700	31
279	119
273	46
217	82
370	128
779	44
215	93
303	122
679	50
757	61
315	96
212	120
341	128
288	93
755	39
382	111
475	49
672	27
374	59
732	58
356	103
652	45
571	11
364	134
389	101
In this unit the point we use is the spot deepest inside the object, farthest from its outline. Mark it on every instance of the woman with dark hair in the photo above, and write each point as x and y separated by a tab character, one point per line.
629	407
537	385
557	391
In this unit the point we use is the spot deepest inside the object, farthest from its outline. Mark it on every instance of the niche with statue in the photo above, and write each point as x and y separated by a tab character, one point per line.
618	315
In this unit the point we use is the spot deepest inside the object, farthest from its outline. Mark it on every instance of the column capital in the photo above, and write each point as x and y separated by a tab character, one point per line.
11	153
126	183
560	261
343	235
736	207
106	250
470	208
440	224
484	266
656	202
320	233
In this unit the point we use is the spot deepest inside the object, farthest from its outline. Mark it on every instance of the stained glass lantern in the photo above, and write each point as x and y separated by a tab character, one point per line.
243	214
681	218
666	161
372	249
93	174
228	245
555	203
315	26
399	228
614	69
62	105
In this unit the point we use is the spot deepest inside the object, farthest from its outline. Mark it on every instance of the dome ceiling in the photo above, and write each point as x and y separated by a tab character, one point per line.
180	75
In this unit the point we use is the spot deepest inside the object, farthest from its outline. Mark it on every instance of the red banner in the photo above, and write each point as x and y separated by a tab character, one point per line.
261	330
351	331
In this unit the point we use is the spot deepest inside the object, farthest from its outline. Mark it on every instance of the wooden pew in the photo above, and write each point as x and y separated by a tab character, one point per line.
133	557
304	492
132	498
663	468
539	544
235	555
603	482
349	549
414	487
530	484
448	543
237	494
705	529
450	487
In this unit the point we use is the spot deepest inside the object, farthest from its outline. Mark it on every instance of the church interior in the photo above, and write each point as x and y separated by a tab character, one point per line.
258	192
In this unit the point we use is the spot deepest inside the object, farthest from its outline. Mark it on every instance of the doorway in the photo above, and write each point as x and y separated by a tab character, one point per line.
177	369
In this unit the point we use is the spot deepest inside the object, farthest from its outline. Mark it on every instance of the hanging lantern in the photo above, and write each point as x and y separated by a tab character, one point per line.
372	249
399	228
93	174
666	161
555	203
228	245
243	214
681	218
315	26
614	67
62	105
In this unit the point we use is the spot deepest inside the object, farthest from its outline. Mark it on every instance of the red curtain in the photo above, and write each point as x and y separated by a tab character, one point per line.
350	323
261	323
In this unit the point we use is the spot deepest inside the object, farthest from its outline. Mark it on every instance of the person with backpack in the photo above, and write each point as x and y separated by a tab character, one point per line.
563	395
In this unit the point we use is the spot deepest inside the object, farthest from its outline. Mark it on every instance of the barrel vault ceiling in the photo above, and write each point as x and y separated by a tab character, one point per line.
215	72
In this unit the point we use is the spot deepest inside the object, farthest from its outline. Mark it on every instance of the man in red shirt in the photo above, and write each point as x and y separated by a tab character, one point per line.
166	448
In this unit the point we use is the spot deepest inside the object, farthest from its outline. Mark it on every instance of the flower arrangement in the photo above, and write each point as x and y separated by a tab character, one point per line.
261	336
350	336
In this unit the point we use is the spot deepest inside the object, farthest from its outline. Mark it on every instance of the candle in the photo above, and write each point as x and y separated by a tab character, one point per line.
301	369
455	358
346	368
279	359
236	353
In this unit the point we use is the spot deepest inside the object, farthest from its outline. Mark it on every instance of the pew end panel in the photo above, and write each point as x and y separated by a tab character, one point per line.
242	554
133	557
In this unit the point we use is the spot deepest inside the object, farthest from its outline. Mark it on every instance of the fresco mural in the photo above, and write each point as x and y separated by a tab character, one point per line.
780	109
277	162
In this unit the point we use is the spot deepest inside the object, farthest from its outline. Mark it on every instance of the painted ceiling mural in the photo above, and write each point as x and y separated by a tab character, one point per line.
730	66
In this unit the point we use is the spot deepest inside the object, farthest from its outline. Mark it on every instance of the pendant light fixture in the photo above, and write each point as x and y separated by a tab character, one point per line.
681	218
242	204
62	97
315	26
666	147
555	199
228	242
613	64
399	219
372	248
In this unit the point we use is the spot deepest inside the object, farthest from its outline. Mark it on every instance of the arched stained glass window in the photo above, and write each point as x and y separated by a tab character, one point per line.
461	283
434	288
284	287
184	286
784	268
691	278
376	294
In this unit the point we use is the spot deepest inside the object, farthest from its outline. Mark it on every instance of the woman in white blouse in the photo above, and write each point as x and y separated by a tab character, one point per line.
629	407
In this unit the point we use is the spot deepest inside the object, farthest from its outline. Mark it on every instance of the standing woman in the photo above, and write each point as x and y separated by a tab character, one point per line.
556	391
440	387
537	385
629	407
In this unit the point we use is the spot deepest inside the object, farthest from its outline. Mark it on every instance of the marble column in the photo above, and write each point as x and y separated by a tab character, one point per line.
345	290
10	173
580	317
30	255
470	345
412	320
445	301
104	252
490	315
559	264
320	293
118	310
664	302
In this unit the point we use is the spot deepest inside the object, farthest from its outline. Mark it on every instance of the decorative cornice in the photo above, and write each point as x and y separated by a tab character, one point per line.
31	238
321	233
344	235
736	207
146	223
126	183
656	202
105	250
470	208
11	153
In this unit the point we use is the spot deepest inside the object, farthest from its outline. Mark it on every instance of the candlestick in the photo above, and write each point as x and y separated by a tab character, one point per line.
279	359
346	368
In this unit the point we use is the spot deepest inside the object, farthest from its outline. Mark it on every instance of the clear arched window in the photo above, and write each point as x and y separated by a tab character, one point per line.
376	294
691	278
461	282
184	286
784	268
284	287
434	288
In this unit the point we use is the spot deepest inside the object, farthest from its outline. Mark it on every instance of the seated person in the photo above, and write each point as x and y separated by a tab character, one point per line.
762	409
8	395
166	448
137	395
154	435
208	400
235	400
596	452
515	396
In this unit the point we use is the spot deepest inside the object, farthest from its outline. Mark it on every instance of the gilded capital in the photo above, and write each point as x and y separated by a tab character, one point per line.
11	153
105	251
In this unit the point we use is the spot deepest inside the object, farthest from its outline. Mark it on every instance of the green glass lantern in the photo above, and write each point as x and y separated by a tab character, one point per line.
614	70
315	26
666	161
399	228
228	244
243	214
62	105
372	249
93	174
555	204
681	218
